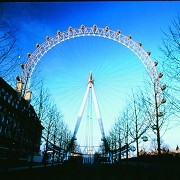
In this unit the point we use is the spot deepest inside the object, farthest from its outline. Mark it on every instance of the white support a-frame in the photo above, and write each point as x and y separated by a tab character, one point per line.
90	86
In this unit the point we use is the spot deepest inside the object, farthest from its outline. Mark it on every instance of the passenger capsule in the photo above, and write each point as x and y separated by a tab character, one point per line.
58	33
155	63
82	27
22	66
163	87
139	44
160	114
163	100
106	28
29	55
160	75
118	32
18	78
145	138
132	148
70	29
37	45
148	53
129	37
94	27
47	38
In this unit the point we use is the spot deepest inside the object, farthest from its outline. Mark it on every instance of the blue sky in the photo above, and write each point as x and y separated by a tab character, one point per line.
115	68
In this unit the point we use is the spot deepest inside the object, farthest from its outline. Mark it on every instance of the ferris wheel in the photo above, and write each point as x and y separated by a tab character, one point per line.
106	69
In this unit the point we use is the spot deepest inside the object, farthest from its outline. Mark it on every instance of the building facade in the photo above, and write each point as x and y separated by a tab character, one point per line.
20	128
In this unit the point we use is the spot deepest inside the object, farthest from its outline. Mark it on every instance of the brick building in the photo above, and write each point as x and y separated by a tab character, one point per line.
20	128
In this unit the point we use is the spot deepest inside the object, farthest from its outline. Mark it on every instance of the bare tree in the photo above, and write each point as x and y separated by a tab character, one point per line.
42	102
138	117
64	135
115	139
120	133
170	49
9	52
126	128
48	129
154	102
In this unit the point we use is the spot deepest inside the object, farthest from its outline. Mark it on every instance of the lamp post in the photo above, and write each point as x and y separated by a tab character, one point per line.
26	95
21	87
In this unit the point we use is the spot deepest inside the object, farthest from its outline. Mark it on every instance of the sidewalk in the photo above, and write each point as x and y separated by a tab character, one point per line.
11	169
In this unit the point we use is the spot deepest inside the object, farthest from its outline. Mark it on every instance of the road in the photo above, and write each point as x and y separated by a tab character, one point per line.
130	171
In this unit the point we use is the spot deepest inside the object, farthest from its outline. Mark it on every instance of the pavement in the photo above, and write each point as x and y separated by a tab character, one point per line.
125	171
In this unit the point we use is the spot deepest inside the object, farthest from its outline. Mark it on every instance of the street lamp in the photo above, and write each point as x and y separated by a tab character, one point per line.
19	86
27	95
19	89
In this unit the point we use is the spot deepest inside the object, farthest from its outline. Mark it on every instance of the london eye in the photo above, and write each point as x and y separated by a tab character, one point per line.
107	62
